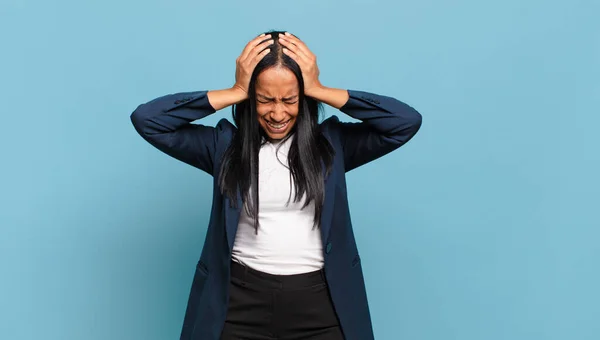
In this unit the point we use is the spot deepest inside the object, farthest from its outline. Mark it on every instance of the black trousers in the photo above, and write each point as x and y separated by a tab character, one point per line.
285	307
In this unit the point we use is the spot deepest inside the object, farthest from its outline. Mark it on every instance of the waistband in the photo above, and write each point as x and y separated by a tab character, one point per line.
267	280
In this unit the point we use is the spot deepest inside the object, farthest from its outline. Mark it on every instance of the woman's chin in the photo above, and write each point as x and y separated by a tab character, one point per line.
277	136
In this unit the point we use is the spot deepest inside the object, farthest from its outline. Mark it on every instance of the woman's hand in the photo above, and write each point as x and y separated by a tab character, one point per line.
254	51
252	54
297	50
307	61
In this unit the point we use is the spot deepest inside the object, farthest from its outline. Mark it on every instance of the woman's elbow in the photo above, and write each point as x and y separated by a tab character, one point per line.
140	119
407	127
417	120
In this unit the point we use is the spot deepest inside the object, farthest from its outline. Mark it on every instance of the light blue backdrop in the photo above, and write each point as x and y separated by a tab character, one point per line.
484	227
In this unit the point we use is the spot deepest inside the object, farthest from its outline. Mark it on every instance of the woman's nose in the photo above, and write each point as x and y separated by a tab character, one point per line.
278	114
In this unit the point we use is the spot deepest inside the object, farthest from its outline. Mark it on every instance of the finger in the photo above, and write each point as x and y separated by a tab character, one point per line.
304	58
298	55
261	48
257	50
298	43
298	59
252	44
257	58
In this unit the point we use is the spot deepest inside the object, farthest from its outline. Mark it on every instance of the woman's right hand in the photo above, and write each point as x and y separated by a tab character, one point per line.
245	64
252	54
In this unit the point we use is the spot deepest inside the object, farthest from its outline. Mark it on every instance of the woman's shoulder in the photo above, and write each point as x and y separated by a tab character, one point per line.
223	131
225	128
331	124
331	129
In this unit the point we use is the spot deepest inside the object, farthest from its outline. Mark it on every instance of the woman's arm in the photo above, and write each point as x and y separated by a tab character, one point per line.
166	123
386	123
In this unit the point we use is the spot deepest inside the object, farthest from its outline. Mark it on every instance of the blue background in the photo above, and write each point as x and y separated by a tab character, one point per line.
484	226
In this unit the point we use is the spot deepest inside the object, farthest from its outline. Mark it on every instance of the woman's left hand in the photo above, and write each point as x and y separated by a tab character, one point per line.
297	50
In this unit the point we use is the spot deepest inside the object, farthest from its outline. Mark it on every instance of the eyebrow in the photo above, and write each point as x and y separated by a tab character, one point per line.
270	98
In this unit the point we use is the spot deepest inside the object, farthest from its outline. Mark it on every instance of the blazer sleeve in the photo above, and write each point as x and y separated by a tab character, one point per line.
386	124
165	123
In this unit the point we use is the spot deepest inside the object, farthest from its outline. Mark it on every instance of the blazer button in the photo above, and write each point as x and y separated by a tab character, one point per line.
328	248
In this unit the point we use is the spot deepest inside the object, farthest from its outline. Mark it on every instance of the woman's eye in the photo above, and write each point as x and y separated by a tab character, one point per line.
285	102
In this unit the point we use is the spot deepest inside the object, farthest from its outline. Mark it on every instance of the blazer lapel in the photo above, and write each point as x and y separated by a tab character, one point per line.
327	213
232	217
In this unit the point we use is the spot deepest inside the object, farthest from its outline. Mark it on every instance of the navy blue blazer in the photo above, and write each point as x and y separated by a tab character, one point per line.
385	124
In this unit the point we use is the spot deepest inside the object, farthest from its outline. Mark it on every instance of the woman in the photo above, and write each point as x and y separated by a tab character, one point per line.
280	259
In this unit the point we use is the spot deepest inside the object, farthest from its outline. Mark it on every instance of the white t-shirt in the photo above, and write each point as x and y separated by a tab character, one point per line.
286	242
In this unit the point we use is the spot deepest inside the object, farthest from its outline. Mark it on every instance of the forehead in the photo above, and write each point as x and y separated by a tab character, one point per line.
276	81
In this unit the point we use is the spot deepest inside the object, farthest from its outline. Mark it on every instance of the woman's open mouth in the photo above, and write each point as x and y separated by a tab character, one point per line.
276	128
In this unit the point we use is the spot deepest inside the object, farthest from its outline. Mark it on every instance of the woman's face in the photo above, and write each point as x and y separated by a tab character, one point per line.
277	98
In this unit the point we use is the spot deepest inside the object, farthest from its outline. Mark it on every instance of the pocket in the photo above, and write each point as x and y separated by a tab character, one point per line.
200	278
356	261
313	304
316	286
194	300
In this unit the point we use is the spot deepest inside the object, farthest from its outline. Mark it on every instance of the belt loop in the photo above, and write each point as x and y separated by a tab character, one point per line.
322	272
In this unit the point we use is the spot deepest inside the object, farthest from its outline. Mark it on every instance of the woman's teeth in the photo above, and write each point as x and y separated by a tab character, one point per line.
278	126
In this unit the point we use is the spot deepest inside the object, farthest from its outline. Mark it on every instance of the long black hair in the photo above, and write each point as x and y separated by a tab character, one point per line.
310	152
